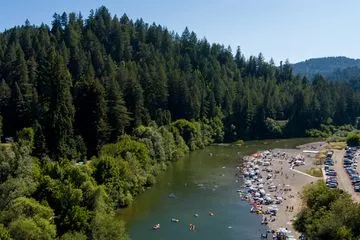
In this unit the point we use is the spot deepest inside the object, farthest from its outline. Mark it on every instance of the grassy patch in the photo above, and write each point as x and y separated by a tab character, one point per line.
314	171
337	145
5	145
319	158
239	142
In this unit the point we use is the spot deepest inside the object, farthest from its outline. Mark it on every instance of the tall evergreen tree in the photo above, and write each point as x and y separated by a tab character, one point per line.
60	115
91	120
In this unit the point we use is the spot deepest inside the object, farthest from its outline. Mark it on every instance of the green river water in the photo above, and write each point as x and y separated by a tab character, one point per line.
203	181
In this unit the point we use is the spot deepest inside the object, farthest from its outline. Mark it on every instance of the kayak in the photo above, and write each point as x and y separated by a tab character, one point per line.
156	226
175	220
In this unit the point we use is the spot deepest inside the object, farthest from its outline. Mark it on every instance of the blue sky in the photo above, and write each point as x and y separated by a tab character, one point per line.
281	29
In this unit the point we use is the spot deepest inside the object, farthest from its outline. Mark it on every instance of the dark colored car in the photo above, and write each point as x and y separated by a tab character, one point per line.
355	180
331	173
331	179
357	188
329	162
349	155
348	160
350	171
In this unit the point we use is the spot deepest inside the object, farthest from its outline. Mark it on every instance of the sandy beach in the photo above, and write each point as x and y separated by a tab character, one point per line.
287	179
292	199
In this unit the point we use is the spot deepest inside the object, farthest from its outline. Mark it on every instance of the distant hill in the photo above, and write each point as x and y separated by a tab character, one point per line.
350	75
326	66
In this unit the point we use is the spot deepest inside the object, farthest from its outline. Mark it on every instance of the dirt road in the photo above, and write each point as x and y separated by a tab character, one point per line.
342	177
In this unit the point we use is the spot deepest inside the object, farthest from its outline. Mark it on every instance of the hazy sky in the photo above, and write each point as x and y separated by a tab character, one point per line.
281	29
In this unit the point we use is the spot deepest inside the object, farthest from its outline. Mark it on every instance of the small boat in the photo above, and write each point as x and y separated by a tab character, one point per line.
254	209
156	226
211	214
171	195
196	215
175	220
192	227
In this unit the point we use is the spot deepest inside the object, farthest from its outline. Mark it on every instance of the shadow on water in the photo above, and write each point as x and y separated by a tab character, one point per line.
201	182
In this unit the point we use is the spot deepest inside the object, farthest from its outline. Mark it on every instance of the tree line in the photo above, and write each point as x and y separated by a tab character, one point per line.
81	83
43	199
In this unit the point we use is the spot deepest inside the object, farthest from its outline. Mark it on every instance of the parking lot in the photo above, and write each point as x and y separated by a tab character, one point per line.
344	174
329	171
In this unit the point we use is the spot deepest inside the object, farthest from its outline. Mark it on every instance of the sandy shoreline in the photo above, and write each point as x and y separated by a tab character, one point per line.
284	176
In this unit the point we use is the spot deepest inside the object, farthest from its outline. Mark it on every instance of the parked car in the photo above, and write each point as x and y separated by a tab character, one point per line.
350	170
348	160
332	185
331	173
355	179
329	162
332	182
357	188
354	175
331	179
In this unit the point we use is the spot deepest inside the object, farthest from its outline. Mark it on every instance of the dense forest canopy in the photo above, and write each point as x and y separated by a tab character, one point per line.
81	83
350	75
99	106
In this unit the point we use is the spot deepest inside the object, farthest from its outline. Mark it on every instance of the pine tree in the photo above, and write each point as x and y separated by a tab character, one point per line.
60	116
91	120
118	116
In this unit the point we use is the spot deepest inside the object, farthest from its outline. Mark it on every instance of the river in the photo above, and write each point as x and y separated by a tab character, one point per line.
201	182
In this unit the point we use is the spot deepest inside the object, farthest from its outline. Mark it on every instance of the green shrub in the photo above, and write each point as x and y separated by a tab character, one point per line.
353	139
314	171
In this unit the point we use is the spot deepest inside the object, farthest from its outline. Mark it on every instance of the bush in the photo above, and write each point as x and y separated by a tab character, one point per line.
26	136
353	139
314	171
274	128
328	214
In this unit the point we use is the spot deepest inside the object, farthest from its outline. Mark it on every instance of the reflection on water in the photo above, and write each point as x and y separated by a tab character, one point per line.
201	182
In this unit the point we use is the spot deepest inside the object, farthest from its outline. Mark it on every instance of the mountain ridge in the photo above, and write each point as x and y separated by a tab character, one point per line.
325	66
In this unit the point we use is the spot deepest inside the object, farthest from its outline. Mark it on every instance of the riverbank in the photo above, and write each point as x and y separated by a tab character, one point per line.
274	181
202	182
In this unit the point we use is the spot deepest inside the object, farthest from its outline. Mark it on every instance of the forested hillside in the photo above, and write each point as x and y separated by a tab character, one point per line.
324	66
350	75
99	106
84	82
